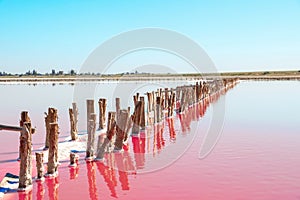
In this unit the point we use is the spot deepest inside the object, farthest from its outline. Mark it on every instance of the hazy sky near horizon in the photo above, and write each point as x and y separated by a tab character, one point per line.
237	35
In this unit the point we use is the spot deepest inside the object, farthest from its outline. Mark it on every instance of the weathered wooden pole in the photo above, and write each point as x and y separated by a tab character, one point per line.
24	118
53	150
143	117
39	157
158	110
171	104
75	113
89	110
104	141
166	97
120	129
25	173
73	128
136	118
51	117
150	108
137	96
149	97
91	137
118	107
183	99
101	139
129	124
102	111
153	96
10	128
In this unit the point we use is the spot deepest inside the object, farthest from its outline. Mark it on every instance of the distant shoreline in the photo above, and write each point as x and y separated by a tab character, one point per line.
275	75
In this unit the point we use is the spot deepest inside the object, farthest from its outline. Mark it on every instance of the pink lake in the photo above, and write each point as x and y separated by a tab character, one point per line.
256	156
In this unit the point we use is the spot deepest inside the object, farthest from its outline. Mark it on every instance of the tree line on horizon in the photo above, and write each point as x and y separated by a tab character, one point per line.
72	72
34	72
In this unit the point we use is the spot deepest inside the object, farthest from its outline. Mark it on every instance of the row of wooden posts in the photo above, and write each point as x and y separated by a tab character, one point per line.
161	104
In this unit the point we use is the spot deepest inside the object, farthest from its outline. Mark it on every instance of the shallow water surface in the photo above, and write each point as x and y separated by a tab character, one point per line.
256	157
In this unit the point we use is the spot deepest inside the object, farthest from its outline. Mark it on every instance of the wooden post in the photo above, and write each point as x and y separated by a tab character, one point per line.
166	97
158	110
89	110
143	118
39	157
53	150
51	117
109	134
171	104
153	100
75	113
183	99
136	118
25	174
149	97
91	137
101	139
111	120
73	128
129	124
197	92
118	107
102	111
120	130
24	118
73	159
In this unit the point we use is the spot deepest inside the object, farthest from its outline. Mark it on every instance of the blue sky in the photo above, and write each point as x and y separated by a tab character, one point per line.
237	35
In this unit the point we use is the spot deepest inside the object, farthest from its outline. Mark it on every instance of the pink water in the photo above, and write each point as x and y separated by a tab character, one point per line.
256	157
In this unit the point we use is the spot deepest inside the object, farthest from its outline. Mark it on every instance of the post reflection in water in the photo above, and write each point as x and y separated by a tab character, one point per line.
74	172
91	174
158	138
171	129
108	176
40	191
139	148
121	162
25	195
52	184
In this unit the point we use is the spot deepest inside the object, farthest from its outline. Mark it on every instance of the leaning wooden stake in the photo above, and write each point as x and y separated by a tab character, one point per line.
53	150
136	118
102	110
103	142
91	137
39	156
129	124
25	174
121	129
73	125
